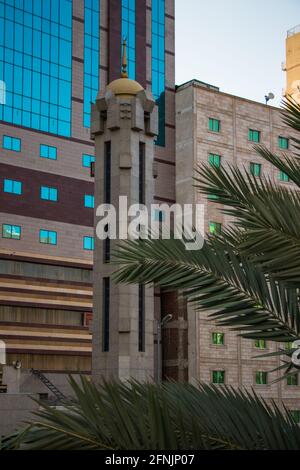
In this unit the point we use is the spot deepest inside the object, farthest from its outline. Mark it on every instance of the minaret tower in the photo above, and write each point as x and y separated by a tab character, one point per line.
124	126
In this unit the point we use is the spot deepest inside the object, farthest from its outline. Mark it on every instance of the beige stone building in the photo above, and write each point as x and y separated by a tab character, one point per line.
218	128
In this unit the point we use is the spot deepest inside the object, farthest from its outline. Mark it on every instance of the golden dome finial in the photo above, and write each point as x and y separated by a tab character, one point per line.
124	60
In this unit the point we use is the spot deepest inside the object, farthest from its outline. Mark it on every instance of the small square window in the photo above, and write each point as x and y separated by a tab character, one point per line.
255	169
215	228
46	151
11	143
260	344
87	160
295	415
214	125
284	177
48	193
261	378
283	143
218	338
11	231
88	243
12	186
292	379
212	197
89	201
214	160
48	237
218	376
254	136
288	346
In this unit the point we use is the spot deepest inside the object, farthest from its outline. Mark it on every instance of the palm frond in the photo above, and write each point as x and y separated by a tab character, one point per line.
172	416
232	288
266	226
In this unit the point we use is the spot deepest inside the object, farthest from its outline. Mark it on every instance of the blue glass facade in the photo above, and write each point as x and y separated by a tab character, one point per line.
91	58
128	32
36	63
158	63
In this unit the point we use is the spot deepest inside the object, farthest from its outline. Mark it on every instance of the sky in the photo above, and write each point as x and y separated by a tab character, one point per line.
237	45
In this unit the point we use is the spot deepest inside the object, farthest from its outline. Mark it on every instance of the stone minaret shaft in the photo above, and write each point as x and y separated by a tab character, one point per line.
124	126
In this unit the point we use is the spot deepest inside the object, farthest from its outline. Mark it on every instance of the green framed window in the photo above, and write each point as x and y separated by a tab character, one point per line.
214	160
48	193
47	151
214	125
87	160
288	346
283	177
254	135
261	377
88	243
283	143
212	197
48	237
260	343
11	231
11	143
89	201
255	169
292	379
12	186
217	338
218	376
295	415
215	227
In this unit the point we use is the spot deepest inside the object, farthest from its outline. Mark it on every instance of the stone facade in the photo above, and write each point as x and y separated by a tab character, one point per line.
44	287
128	124
195	104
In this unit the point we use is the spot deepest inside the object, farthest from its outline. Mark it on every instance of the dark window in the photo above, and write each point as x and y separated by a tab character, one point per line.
106	248
141	318
107	172
142	173
107	194
105	325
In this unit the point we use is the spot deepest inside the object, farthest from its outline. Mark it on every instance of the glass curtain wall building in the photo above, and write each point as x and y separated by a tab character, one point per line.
36	58
55	55
91	57
158	63
128	33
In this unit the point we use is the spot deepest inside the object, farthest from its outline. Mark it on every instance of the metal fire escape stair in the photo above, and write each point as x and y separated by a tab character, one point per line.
3	388
58	394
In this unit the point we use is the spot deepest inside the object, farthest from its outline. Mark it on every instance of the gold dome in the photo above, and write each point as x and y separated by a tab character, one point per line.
125	87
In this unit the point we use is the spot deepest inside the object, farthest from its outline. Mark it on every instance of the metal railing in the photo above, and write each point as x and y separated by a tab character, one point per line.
293	31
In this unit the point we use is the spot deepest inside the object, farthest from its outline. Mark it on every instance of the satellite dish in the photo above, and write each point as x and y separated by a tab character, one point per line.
269	96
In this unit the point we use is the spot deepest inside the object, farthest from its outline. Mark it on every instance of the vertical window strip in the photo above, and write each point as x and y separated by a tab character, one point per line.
106	307
107	194
91	58
141	318
158	64
141	173
128	32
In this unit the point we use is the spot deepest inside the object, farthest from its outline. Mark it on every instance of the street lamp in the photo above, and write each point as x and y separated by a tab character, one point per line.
160	325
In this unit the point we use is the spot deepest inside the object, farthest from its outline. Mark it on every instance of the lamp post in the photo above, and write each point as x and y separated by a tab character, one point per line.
160	325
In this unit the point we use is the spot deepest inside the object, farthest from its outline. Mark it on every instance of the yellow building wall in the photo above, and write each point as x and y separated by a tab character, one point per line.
293	63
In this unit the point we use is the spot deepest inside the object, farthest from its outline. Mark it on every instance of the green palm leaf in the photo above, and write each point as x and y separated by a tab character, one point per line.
172	416
266	226
232	288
